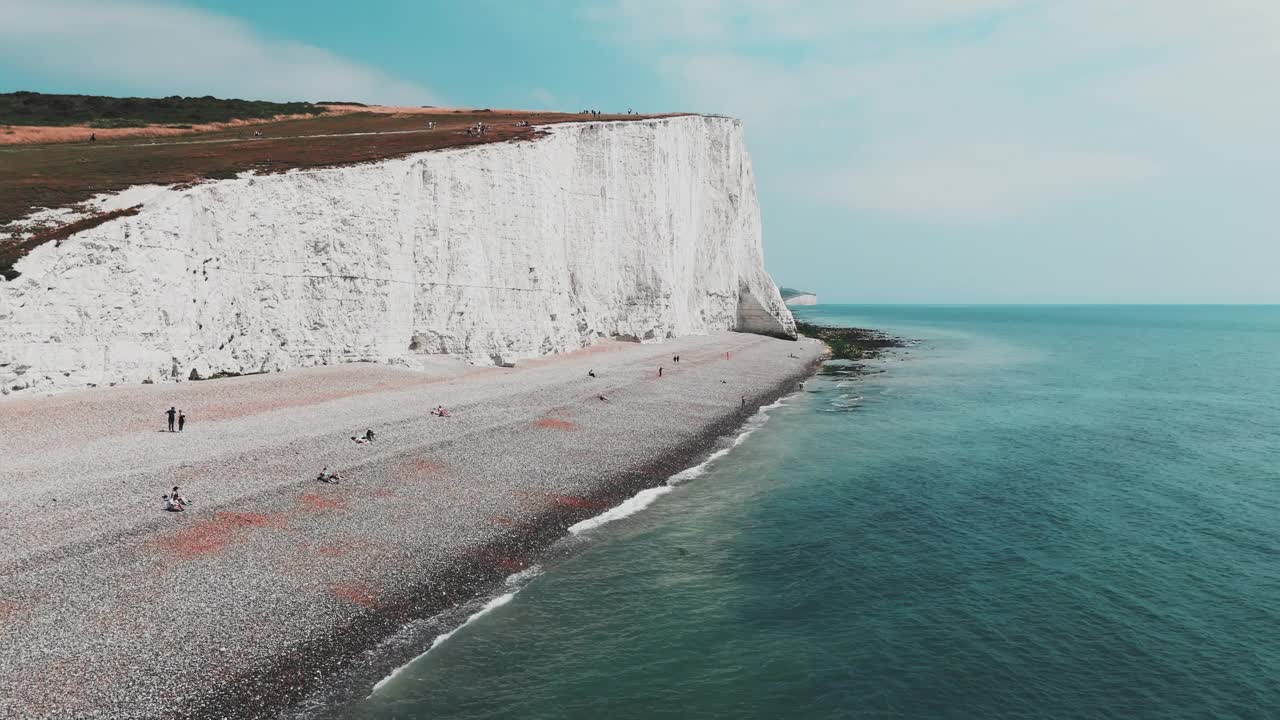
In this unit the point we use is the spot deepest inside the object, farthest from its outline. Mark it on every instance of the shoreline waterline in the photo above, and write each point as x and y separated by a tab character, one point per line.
547	530
1052	513
629	507
434	514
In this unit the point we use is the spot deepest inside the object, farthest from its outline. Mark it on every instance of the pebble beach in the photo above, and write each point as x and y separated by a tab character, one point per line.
271	582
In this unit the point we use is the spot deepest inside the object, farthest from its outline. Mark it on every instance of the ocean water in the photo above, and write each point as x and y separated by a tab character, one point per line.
1036	512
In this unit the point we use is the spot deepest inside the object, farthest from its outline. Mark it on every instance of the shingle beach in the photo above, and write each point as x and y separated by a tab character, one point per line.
272	581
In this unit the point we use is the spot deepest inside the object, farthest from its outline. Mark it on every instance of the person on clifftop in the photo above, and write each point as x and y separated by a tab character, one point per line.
171	412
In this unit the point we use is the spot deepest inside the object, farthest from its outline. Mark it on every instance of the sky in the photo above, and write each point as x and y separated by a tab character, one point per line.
907	151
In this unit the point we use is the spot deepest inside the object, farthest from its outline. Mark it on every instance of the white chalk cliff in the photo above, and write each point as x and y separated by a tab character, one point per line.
640	230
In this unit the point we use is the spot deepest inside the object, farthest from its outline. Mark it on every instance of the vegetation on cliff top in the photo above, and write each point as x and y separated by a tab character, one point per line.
32	108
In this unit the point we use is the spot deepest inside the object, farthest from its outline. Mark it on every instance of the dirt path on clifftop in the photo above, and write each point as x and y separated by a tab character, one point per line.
274	582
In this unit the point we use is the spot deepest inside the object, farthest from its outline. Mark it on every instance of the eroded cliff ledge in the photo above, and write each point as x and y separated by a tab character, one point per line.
642	230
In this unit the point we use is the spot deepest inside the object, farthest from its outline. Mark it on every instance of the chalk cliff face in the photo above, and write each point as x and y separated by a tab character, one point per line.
639	230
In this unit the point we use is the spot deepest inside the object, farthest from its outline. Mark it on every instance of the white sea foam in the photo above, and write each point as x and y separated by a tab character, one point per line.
488	608
644	498
516	581
631	506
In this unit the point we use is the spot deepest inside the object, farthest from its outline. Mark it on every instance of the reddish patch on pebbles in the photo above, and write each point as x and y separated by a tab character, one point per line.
353	592
421	470
426	468
385	493
206	537
575	501
8	609
502	520
316	501
556	424
331	551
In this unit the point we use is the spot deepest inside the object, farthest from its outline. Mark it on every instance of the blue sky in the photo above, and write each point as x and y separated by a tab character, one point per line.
941	151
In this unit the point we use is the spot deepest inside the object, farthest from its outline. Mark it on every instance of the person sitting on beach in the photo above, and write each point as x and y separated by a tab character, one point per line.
604	399
368	434
179	502
171	505
591	373
329	477
361	440
440	411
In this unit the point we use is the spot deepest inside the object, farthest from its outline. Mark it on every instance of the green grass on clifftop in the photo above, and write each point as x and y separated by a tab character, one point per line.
31	108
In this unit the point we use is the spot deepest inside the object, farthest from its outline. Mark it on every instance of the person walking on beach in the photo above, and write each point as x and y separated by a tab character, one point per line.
182	420
171	413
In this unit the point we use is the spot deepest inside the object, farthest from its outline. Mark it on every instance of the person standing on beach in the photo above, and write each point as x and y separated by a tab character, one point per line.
182	420
744	401
659	371
171	413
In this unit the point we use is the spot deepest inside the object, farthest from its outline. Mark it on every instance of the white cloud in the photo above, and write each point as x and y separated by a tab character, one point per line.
973	110
163	48
977	183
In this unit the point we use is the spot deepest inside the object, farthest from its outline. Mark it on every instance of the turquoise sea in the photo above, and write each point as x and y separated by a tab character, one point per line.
1035	512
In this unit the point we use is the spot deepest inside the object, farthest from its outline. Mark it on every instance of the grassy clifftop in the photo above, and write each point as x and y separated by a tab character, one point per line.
32	108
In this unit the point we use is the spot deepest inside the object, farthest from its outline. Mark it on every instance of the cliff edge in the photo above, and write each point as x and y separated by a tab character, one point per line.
637	230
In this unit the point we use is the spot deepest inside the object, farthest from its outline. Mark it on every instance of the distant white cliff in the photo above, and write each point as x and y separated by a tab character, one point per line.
791	297
640	230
